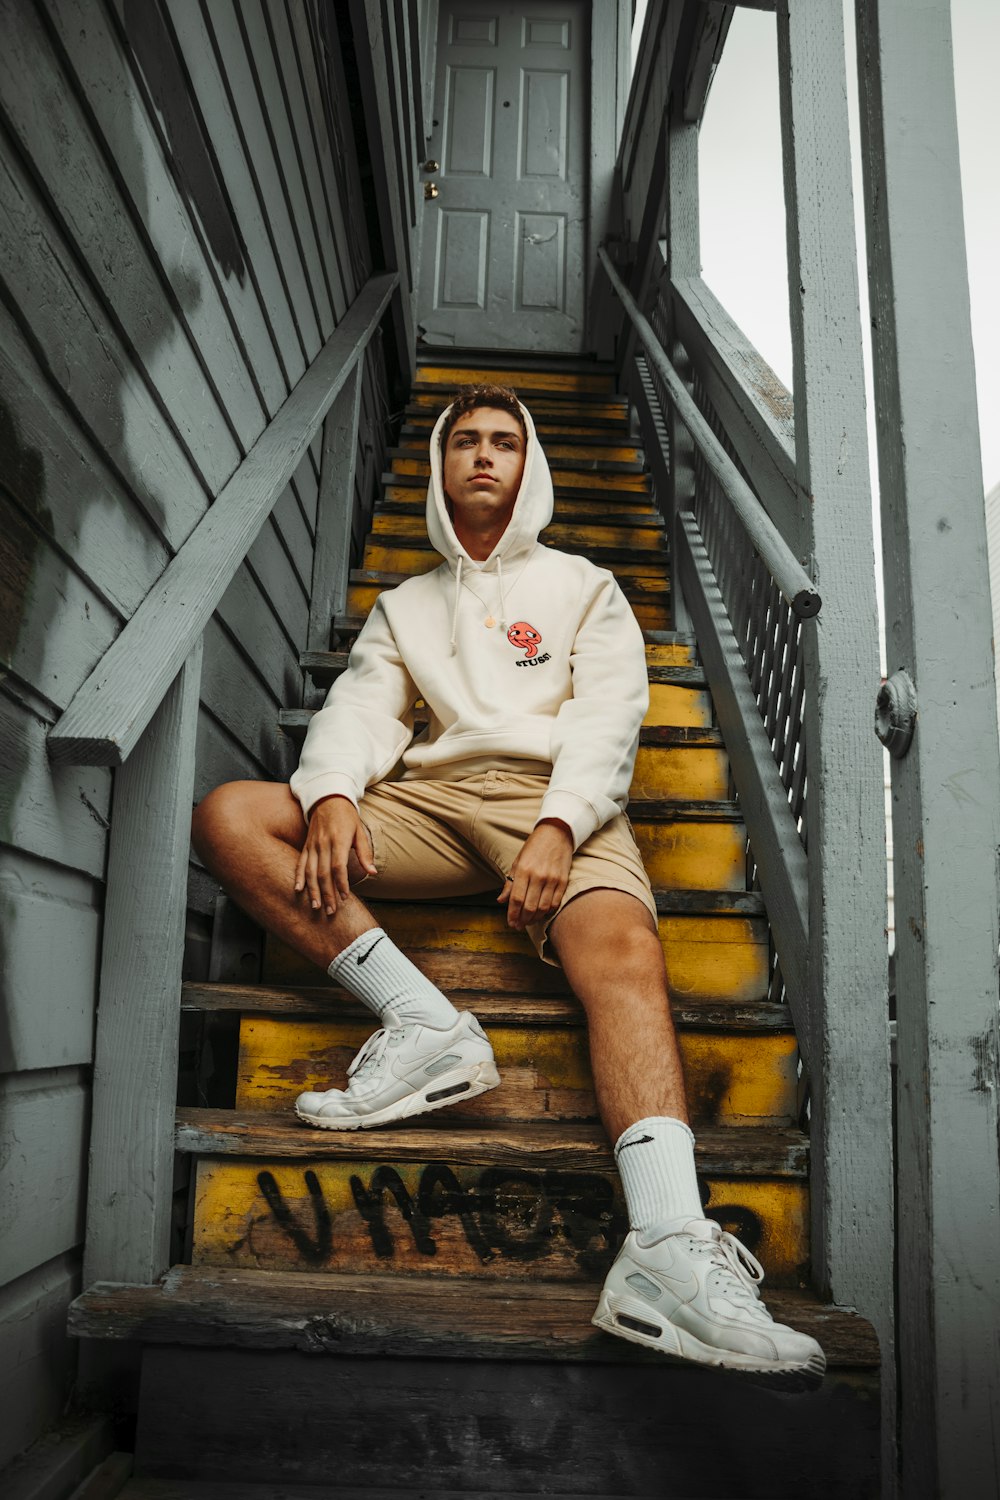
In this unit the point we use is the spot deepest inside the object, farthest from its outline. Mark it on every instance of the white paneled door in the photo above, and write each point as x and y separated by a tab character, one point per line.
502	264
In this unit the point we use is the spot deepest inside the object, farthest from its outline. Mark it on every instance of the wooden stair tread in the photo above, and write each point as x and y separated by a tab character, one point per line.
649	520
492	1009
351	624
587	391
773	1151
331	662
627	494
404	1316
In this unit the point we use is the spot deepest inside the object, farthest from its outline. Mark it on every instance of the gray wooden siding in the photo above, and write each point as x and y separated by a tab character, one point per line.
181	229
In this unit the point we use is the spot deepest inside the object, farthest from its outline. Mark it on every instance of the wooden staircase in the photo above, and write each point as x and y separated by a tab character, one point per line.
408	1311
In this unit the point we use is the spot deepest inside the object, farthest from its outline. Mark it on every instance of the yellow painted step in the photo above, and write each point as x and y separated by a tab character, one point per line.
414	560
708	958
457	1217
682	706
602	507
578	479
696	774
416	443
693	856
453	376
651	614
558	533
733	1079
548	408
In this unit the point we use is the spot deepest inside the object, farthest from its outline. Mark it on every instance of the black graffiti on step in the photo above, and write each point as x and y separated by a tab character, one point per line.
507	1213
314	1250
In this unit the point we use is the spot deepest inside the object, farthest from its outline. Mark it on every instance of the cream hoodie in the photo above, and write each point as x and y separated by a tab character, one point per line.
532	659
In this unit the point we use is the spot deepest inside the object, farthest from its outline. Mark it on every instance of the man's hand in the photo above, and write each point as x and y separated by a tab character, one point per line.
335	828
540	875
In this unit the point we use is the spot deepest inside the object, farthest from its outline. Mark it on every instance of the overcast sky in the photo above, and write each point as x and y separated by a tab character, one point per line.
742	209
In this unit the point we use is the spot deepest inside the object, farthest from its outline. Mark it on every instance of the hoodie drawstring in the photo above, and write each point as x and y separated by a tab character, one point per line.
454	613
503	602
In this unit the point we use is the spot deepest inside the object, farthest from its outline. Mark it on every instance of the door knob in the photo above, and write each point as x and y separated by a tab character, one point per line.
430	166
431	190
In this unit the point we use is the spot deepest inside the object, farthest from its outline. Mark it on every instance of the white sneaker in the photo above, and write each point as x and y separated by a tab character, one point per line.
693	1295
406	1070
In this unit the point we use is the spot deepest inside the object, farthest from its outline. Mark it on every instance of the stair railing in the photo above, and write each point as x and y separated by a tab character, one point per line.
766	506
138	711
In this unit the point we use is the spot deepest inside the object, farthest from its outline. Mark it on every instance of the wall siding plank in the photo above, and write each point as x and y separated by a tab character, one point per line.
58	813
57	476
49	943
37	1357
87	363
43	1166
85	198
212	98
224	25
220	306
240	701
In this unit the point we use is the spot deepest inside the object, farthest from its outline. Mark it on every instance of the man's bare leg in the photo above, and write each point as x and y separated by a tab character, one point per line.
610	952
249	834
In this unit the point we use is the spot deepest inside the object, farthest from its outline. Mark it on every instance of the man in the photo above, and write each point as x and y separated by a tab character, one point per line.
532	670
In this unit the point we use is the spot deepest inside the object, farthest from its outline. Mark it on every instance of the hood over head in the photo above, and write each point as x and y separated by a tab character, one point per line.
532	512
532	509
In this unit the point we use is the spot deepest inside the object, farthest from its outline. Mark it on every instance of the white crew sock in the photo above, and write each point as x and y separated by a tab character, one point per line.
655	1158
382	977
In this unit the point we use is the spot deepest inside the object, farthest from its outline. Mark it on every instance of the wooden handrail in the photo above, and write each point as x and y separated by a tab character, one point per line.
110	710
786	570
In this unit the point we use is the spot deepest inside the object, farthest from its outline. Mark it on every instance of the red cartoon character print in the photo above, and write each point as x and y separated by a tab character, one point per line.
523	635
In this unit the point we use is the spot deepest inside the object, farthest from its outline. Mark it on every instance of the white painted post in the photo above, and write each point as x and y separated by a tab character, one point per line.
683	260
946	786
335	510
129	1194
851	1185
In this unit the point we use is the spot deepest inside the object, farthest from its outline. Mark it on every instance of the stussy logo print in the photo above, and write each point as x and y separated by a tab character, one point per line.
527	639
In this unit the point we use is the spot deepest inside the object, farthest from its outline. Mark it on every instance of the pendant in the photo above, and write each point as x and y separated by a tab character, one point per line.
489	622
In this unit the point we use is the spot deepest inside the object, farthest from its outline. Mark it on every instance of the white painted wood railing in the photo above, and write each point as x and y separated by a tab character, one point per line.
138	711
767	509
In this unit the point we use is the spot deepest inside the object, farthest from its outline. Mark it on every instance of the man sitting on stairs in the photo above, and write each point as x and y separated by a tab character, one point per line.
532	670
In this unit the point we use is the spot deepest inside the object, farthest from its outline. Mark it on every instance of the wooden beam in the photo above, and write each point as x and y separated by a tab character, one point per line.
851	1126
703	58
129	1194
112	708
334	511
946	812
774	838
375	74
753	406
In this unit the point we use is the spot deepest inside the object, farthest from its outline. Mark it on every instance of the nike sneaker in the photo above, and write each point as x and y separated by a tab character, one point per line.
406	1069
693	1295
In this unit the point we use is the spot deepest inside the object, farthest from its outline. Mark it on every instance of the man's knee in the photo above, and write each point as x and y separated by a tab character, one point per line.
221	815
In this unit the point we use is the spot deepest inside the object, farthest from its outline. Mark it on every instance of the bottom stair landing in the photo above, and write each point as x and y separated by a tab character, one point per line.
474	1388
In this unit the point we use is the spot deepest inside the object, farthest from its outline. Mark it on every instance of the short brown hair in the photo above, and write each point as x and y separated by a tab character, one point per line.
470	397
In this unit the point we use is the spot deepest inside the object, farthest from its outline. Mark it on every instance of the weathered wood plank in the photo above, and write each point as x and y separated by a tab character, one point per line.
110	712
37	1356
946	823
204	307
234	694
238	203
131	1157
394	1315
222	757
87	203
848	1010
57	310
43	1166
310	305
56	812
50	923
752	404
65	484
332	561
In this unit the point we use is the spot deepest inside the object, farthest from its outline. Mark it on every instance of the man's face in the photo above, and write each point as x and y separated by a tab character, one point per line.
483	464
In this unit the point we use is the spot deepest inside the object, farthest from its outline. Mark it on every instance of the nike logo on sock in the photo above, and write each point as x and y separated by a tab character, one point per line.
641	1140
365	956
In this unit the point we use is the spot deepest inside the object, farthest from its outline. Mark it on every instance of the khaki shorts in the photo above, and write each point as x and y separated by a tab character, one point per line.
435	840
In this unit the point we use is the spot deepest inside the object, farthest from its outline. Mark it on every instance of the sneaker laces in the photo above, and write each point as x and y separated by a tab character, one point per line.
369	1058
730	1257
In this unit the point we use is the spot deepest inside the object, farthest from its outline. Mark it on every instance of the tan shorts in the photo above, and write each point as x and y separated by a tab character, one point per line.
435	840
